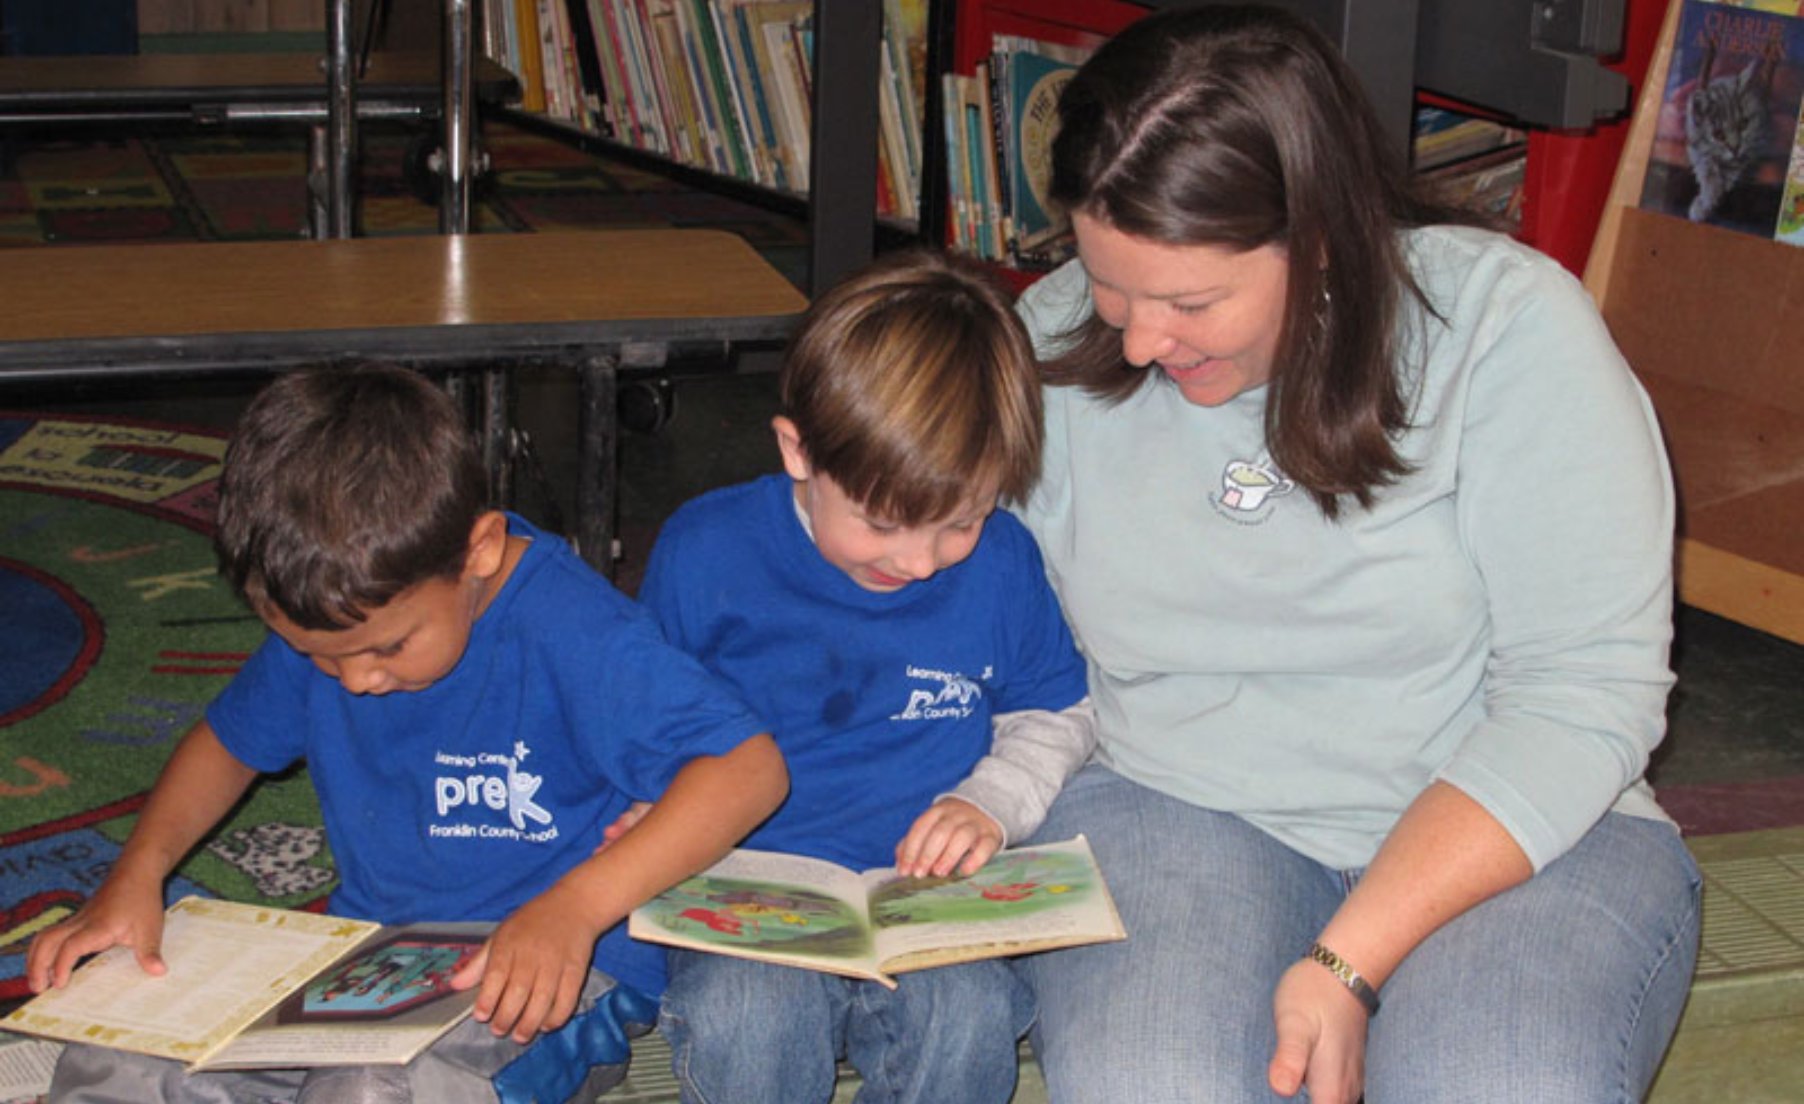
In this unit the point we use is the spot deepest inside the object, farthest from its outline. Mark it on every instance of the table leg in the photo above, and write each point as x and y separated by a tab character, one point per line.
454	215
597	462
319	206
341	120
497	426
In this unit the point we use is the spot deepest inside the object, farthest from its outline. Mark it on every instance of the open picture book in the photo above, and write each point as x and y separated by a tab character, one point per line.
798	911
251	987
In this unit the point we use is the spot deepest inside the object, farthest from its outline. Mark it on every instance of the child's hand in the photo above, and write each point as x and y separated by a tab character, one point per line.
116	916
623	823
947	832
532	968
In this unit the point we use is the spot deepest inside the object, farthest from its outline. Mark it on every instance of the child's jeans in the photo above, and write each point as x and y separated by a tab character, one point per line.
744	1032
455	1070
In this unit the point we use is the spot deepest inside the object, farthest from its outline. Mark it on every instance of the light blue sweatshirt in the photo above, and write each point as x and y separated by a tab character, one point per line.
1499	619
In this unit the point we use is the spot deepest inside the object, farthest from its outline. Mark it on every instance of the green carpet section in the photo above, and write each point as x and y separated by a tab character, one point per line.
120	631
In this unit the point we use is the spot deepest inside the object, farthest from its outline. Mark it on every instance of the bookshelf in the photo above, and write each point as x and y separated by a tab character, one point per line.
677	107
1534	62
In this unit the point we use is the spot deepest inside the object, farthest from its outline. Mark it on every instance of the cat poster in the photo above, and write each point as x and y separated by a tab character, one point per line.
1729	118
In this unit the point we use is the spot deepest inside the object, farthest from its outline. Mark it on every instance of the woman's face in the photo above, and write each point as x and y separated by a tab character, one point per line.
1206	316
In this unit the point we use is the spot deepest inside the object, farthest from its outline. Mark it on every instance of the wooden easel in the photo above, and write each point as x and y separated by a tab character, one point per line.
1709	319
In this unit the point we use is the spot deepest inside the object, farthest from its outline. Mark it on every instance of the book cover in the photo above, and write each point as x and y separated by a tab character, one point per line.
1728	120
250	987
796	911
1035	81
1791	204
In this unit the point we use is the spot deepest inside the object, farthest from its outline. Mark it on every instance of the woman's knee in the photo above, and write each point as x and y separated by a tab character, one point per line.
1566	988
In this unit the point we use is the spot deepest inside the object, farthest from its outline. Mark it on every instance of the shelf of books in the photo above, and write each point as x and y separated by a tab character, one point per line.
723	86
1008	64
966	98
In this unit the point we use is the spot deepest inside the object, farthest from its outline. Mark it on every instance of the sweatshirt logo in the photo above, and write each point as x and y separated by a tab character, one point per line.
951	696
1247	488
490	783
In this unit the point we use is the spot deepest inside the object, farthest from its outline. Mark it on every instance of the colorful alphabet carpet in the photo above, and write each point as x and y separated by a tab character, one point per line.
117	630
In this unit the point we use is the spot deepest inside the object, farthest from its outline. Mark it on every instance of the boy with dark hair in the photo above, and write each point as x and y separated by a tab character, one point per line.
889	629
474	704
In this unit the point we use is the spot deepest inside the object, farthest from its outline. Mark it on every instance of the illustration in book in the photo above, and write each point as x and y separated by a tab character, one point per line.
249	987
798	911
1729	118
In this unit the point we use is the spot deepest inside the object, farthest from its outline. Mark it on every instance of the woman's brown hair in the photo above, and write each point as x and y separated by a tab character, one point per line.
1242	127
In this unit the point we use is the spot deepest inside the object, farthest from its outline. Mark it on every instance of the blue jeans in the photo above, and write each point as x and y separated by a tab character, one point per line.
1566	988
745	1032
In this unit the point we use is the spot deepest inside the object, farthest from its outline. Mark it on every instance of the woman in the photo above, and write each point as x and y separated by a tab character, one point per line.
1365	529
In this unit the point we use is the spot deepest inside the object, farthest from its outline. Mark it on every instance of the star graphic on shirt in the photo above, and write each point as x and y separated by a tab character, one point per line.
520	751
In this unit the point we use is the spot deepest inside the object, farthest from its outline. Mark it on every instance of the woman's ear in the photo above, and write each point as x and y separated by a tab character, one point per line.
789	443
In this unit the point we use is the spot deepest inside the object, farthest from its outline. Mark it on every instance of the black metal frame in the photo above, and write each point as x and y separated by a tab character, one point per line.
597	352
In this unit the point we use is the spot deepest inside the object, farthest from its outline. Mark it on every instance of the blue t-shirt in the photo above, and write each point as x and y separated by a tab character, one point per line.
880	702
466	799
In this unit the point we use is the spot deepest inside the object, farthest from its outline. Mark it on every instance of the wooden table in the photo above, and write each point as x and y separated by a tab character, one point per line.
591	300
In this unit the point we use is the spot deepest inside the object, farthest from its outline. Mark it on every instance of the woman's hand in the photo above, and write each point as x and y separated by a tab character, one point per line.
1321	1037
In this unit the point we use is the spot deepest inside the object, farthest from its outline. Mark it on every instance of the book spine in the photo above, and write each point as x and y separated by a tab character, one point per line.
532	73
648	106
791	90
694	67
739	90
958	168
758	98
1001	127
588	67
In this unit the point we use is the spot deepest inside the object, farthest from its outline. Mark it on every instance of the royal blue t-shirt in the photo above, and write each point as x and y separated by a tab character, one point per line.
466	799
880	702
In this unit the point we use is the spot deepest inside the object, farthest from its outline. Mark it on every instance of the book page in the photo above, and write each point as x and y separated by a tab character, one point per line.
768	906
1024	899
25	1067
381	1004
228	963
327	1046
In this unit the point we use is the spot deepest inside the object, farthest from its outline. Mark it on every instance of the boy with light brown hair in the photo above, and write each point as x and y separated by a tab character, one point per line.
900	640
